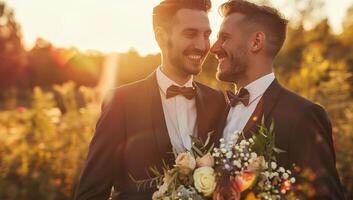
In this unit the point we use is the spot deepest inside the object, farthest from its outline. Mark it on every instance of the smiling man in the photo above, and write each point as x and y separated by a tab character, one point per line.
249	39
141	122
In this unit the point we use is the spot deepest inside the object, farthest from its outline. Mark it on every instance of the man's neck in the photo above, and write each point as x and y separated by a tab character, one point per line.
176	76
248	80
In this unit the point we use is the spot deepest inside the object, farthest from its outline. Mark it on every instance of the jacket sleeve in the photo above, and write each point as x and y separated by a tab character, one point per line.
311	148
105	152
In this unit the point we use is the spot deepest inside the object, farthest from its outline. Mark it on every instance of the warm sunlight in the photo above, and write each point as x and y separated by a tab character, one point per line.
90	108
112	25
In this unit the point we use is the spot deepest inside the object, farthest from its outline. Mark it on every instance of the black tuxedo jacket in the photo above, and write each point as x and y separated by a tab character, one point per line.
131	136
303	130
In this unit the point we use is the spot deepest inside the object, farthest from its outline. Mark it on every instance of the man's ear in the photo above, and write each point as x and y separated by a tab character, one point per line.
161	36
258	41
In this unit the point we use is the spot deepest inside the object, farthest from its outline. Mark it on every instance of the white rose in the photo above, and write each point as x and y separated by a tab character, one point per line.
205	180
186	163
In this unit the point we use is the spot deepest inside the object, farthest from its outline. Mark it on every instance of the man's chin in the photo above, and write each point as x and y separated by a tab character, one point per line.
222	76
194	70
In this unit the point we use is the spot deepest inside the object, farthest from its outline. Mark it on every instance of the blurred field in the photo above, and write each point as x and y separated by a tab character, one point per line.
50	99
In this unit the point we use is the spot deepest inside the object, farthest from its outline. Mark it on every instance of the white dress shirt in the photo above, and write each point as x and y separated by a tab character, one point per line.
179	113
239	115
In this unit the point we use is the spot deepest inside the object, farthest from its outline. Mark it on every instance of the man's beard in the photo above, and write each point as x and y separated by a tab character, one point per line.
177	61
236	69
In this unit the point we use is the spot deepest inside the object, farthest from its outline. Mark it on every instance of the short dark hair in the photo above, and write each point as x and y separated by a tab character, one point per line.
164	13
270	19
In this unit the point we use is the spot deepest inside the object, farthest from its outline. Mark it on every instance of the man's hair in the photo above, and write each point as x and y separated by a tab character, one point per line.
164	13
271	21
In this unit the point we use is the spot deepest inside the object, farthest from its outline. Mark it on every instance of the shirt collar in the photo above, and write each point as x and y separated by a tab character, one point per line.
259	86
165	82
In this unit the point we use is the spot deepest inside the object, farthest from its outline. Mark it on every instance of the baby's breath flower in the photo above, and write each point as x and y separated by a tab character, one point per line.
226	166
229	154
285	176
253	155
292	180
223	150
237	163
273	165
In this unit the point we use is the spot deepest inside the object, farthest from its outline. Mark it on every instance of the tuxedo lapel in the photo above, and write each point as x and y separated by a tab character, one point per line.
254	119
158	120
222	123
201	115
271	97
264	108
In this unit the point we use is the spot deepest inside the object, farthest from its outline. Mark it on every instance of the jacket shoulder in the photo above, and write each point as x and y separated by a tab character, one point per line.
123	92
299	104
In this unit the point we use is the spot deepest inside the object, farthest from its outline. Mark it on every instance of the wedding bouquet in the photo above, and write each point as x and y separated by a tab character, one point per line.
248	167
240	168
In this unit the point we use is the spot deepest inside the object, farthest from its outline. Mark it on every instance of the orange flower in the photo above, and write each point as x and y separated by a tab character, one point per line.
251	196
244	180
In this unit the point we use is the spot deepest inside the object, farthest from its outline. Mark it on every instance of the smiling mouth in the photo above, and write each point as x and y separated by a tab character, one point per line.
221	58
195	58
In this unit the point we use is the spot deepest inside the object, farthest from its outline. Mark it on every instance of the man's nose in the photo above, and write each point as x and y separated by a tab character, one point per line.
202	44
215	47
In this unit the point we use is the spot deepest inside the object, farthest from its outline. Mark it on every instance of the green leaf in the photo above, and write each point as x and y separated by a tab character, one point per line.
197	151
155	171
210	149
208	138
277	150
272	126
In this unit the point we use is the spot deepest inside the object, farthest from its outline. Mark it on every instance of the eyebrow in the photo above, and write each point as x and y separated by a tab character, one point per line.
222	34
195	30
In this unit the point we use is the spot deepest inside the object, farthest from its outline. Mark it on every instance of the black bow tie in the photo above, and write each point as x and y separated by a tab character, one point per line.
242	96
187	92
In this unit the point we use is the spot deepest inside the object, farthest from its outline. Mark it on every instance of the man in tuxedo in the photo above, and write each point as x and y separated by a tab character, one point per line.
142	121
249	39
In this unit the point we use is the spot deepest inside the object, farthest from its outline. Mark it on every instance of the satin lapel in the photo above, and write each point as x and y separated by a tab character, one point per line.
221	125
264	108
255	119
159	123
271	97
201	113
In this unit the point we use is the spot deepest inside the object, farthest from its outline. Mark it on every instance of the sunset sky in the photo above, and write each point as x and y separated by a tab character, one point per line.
113	25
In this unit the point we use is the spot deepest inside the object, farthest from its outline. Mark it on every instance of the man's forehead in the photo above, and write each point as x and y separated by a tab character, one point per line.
191	18
232	20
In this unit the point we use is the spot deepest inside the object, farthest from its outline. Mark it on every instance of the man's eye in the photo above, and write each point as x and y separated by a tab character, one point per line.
190	35
223	38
